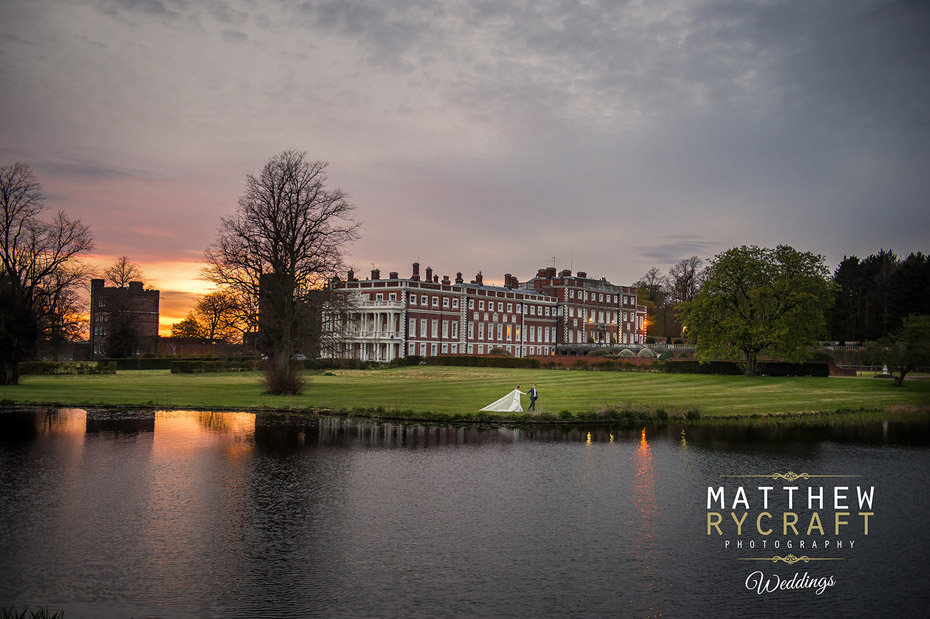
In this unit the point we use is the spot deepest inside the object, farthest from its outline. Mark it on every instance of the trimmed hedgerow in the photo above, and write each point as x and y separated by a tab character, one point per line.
485	362
49	368
732	368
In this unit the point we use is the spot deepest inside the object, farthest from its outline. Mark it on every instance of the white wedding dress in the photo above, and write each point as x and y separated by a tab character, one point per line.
510	403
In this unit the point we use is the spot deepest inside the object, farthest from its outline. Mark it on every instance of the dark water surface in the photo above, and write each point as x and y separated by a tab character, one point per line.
190	514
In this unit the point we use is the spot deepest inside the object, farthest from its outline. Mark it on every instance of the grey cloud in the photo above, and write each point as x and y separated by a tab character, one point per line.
86	168
678	248
233	36
161	8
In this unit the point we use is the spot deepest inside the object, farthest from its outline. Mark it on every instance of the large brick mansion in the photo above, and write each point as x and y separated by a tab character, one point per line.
429	315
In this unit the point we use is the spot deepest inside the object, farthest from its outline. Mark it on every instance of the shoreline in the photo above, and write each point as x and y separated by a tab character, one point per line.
625	418
439	394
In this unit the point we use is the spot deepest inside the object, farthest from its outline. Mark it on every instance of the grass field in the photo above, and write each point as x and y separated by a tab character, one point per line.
458	391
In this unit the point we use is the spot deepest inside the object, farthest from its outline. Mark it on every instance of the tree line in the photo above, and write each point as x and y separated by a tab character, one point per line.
273	258
870	298
750	302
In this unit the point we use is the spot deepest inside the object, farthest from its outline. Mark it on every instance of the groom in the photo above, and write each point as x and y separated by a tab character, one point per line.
533	395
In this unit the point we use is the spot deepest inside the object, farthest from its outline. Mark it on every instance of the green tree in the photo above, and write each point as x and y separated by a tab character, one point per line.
907	349
189	327
757	301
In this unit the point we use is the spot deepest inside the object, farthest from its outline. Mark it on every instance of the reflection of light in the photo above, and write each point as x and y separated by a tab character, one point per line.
684	441
611	437
588	442
645	535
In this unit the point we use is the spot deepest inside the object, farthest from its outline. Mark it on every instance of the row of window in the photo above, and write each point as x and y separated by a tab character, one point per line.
423	349
490	331
601	297
434	328
598	315
453	302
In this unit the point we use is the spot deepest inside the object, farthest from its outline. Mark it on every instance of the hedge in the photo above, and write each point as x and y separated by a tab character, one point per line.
732	368
729	368
199	367
485	362
164	363
48	368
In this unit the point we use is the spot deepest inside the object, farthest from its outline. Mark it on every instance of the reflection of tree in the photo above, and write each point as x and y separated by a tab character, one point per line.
213	421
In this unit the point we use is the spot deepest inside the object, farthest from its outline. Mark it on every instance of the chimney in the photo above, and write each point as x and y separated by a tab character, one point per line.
392	275
351	276
416	272
479	279
429	274
376	274
582	274
541	273
135	286
550	271
445	280
507	277
435	279
565	273
458	278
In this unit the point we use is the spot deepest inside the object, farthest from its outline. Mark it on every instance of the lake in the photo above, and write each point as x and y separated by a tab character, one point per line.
194	514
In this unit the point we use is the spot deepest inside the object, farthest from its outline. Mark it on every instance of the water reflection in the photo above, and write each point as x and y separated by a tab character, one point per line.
298	431
193	513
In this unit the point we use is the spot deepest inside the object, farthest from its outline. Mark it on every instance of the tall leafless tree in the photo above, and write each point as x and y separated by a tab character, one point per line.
285	241
121	272
684	279
39	268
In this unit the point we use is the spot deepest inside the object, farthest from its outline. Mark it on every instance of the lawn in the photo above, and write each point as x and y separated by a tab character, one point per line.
452	390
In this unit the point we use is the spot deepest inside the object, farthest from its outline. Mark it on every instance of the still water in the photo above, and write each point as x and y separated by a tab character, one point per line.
192	514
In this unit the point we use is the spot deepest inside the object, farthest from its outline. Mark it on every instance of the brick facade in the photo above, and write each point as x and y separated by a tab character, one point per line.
429	316
140	304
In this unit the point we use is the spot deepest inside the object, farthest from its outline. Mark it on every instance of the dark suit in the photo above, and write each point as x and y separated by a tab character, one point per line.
533	395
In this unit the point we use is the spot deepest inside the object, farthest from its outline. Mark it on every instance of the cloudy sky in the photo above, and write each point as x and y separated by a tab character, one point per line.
481	134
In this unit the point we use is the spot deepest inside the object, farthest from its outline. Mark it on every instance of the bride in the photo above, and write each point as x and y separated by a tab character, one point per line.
510	403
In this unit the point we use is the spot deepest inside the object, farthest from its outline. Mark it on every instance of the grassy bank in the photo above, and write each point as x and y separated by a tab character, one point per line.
455	391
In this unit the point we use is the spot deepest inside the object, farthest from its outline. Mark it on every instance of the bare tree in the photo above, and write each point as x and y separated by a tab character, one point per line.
40	269
284	242
684	279
218	313
122	272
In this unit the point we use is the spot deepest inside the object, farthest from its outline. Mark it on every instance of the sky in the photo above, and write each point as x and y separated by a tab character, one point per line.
480	135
